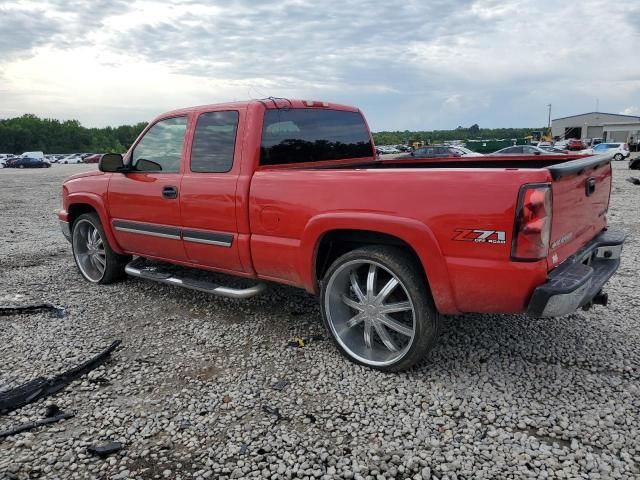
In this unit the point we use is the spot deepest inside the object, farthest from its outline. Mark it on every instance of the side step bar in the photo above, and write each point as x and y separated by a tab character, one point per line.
141	269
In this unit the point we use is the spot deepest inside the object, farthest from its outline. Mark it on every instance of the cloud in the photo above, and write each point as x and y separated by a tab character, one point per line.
23	30
633	110
408	64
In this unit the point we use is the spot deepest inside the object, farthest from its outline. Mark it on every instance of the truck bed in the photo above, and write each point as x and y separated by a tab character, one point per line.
506	161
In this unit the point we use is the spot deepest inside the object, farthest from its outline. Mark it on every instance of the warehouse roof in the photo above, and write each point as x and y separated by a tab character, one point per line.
601	113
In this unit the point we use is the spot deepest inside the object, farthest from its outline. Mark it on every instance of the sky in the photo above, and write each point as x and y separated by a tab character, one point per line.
407	64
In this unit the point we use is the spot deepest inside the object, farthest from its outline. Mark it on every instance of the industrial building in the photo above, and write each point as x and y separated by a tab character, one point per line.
612	127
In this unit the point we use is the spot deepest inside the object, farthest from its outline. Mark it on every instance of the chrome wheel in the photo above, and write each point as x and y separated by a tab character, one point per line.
88	250
370	312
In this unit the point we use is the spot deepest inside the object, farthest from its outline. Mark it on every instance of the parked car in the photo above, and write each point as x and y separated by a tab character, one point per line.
385	149
388	249
93	158
523	150
634	163
561	144
75	158
4	157
464	151
620	151
27	162
553	149
574	144
433	151
39	155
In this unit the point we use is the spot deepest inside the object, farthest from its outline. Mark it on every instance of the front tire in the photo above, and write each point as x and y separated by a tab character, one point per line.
377	307
93	255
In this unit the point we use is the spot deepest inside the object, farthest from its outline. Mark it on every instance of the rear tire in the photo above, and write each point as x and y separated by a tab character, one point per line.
377	307
94	257
618	157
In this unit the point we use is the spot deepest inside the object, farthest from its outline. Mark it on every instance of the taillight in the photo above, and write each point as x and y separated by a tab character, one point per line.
533	223
626	146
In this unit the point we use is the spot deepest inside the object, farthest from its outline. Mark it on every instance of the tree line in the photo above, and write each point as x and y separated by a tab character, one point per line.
31	133
461	133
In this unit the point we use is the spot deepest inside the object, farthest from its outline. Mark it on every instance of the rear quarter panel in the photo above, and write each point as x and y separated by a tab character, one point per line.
290	210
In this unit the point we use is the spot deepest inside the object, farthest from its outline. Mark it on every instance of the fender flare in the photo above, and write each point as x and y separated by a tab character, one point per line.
416	234
97	203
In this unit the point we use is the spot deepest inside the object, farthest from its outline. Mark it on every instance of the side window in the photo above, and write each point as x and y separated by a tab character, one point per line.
160	150
298	135
528	149
214	142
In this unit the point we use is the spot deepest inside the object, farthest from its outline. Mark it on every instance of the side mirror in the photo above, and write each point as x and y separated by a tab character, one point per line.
111	162
412	154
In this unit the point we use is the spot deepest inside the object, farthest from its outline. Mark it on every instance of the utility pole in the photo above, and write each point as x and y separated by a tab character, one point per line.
549	122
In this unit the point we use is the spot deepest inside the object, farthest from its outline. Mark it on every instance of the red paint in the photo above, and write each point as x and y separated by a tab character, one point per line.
278	215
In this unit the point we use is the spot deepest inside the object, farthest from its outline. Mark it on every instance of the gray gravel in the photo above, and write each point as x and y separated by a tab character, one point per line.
499	397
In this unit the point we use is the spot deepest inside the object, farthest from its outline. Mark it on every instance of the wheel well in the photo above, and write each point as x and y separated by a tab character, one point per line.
78	209
338	242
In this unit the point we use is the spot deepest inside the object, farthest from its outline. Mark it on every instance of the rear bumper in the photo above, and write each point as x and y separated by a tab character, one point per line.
579	279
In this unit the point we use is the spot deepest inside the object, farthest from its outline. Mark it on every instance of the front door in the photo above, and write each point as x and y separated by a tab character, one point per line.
145	204
208	197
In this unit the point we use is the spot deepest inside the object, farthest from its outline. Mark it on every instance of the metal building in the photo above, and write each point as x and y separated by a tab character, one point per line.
612	127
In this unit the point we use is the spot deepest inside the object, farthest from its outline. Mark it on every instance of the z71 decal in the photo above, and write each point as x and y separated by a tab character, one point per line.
480	236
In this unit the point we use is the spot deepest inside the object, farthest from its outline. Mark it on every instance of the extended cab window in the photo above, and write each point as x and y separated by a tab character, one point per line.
298	135
160	150
214	142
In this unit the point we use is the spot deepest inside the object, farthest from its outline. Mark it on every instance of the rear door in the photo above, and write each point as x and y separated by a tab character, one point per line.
580	203
145	204
208	193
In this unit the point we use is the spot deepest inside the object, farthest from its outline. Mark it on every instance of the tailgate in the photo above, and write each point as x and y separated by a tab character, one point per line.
580	191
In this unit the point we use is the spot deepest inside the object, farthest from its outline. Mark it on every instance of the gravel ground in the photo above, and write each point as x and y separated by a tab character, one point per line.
499	397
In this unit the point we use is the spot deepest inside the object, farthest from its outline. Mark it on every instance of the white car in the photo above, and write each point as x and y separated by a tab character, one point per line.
523	150
38	155
71	159
620	150
464	151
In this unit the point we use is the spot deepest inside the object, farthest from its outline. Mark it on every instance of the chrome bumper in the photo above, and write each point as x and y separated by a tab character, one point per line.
66	229
578	281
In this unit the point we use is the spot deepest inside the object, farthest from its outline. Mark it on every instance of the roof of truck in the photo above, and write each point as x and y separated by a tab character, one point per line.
269	103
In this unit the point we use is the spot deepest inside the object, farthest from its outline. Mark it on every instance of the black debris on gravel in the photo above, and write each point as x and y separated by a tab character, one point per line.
281	385
276	412
41	387
105	449
54	310
24	427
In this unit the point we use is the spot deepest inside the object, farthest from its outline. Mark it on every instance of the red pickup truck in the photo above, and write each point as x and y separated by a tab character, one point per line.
291	191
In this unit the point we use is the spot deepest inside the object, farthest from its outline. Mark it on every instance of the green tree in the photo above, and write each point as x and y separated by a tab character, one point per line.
29	133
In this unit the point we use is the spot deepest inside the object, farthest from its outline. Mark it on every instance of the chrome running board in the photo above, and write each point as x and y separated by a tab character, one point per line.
173	275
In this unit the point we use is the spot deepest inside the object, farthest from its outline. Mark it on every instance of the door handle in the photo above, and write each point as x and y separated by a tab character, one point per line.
169	191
